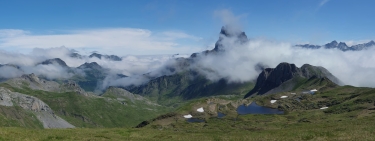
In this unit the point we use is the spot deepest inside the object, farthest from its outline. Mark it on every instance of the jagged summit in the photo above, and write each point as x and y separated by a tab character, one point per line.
228	32
54	61
272	79
341	46
225	32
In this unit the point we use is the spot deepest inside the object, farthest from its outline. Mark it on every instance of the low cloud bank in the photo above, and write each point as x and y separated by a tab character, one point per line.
237	63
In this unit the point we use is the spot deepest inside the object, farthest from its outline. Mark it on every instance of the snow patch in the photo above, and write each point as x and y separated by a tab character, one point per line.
200	110
283	96
273	101
188	116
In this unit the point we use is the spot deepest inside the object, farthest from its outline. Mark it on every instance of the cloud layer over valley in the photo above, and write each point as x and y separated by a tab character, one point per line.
236	60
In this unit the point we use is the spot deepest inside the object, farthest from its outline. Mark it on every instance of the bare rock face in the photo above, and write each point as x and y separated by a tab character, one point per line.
5	98
40	109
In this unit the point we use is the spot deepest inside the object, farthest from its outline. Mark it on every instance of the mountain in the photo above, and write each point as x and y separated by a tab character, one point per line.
57	61
94	74
173	89
187	83
109	57
30	101
76	55
92	65
341	46
225	32
287	77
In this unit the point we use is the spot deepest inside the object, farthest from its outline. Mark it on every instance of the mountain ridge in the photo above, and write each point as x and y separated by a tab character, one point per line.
341	46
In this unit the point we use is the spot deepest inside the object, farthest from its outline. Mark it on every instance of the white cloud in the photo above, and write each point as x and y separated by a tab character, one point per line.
52	71
229	19
120	40
237	63
173	35
9	72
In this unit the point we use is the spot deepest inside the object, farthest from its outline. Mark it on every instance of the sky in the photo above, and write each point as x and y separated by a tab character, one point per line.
147	27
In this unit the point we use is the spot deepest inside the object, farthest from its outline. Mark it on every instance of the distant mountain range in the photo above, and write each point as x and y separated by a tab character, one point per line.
97	55
341	46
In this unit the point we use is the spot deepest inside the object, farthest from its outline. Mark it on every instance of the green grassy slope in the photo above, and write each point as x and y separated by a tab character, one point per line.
15	116
82	111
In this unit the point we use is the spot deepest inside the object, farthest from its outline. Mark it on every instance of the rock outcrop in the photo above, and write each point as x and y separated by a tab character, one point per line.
40	109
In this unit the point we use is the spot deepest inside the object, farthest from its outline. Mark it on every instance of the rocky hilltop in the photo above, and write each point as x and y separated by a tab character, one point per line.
285	77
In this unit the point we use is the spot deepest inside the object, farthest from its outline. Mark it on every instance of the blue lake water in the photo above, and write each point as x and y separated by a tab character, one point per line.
195	120
253	108
220	115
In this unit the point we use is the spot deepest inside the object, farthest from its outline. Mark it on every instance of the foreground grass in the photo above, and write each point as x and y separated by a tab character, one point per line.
317	126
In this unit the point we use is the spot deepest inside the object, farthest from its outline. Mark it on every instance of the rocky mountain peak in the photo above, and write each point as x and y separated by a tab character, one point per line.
332	44
227	31
342	46
54	61
371	43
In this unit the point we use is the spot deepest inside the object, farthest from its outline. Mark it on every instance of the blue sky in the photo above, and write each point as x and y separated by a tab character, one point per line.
177	26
